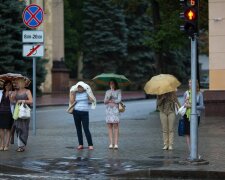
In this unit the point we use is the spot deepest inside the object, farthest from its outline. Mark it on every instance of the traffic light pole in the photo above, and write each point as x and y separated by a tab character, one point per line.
194	119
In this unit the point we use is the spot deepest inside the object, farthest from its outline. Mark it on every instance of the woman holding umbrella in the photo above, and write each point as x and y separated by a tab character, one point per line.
112	99
6	120
22	95
165	86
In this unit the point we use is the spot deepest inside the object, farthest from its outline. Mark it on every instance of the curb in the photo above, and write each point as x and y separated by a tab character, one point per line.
186	174
98	102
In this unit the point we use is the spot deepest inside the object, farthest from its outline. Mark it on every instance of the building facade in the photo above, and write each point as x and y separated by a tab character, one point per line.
215	97
57	78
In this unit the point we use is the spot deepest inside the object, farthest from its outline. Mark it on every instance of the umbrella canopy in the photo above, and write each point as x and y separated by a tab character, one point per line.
104	79
12	77
161	84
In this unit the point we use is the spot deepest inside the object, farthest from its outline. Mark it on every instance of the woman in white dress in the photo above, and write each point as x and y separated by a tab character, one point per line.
112	99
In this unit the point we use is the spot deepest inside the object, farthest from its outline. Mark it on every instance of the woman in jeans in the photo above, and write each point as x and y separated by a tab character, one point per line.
81	93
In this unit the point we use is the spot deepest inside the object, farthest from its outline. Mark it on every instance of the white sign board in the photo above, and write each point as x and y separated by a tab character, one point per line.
33	36
33	50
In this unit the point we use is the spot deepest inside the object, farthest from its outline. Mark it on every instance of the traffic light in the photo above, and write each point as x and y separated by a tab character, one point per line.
190	16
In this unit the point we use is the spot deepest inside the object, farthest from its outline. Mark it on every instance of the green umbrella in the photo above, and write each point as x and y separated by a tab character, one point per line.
104	79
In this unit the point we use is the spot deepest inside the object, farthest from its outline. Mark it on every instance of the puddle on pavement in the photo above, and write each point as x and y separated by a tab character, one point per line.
81	166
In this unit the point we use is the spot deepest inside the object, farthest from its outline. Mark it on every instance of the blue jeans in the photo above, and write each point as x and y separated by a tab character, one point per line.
81	118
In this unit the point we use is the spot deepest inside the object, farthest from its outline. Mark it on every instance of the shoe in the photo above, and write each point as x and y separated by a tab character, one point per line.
170	147
80	147
20	149
165	147
6	148
90	147
116	146
2	148
110	146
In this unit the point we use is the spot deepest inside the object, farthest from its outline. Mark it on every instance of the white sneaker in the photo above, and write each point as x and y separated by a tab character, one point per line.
116	146
165	147
170	147
110	146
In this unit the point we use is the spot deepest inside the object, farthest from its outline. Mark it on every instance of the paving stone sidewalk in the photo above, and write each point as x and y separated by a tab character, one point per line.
140	153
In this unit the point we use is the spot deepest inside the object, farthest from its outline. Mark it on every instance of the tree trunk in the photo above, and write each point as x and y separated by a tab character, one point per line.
80	66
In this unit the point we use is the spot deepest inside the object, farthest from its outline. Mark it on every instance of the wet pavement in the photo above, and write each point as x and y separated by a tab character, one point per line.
51	153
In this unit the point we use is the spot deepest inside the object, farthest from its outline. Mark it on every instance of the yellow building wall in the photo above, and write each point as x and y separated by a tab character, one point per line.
217	44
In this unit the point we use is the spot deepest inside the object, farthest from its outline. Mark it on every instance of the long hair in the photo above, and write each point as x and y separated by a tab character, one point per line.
115	82
5	83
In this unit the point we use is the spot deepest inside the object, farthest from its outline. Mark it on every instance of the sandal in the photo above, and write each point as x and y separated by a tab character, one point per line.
6	148
80	147
20	149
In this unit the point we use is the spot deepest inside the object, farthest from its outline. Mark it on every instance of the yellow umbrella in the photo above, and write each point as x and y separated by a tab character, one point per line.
161	84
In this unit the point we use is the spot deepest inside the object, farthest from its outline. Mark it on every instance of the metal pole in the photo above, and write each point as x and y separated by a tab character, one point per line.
193	122
34	97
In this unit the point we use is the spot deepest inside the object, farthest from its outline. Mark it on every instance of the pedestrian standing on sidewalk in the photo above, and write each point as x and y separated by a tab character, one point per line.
112	100
6	110
187	103
21	126
166	106
81	93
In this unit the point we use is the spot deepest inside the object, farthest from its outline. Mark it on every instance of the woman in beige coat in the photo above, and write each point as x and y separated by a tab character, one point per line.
166	105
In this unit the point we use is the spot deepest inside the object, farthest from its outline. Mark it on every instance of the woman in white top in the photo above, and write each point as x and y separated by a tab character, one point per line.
81	93
112	99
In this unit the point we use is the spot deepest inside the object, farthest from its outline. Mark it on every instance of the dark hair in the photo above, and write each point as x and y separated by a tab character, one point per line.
5	83
115	82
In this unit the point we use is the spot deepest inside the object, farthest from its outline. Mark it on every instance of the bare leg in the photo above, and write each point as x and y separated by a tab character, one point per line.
2	139
8	135
110	132
188	142
116	133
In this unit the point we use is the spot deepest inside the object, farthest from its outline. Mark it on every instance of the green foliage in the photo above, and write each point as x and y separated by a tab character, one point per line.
139	65
105	37
73	33
11	27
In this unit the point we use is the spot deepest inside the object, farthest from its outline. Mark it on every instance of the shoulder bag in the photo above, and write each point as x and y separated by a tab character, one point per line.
121	107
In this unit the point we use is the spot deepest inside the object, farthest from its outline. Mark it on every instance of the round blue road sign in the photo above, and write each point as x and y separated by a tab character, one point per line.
33	16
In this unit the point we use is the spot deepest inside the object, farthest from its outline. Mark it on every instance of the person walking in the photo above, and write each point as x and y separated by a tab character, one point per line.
187	103
112	100
21	126
6	110
81	93
166	105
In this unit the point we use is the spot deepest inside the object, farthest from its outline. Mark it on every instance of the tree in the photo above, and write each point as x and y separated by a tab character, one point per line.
11	27
73	34
139	65
166	39
105	37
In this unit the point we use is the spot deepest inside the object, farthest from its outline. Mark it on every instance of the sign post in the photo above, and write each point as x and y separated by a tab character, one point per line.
32	18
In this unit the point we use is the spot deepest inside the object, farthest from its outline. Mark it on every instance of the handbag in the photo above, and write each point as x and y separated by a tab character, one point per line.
16	112
71	107
182	110
24	111
181	127
121	107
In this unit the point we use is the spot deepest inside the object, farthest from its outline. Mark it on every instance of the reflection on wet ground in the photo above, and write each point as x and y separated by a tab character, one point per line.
83	165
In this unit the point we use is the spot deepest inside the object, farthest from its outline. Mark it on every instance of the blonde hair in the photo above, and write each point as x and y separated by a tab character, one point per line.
197	85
